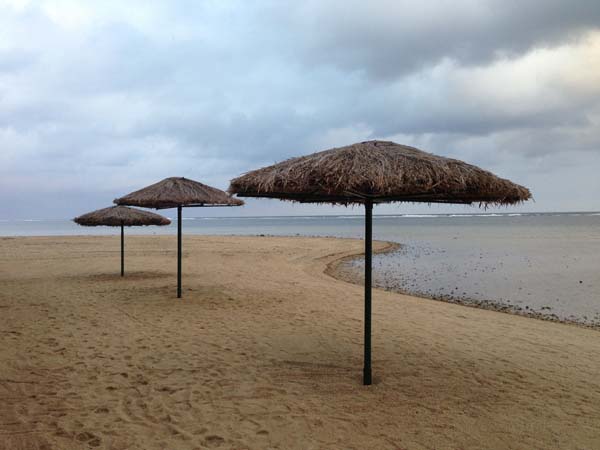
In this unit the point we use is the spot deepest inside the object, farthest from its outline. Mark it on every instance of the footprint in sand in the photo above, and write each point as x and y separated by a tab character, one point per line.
213	441
91	439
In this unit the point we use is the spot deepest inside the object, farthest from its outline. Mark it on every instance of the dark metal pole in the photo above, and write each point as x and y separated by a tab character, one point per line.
368	267
122	250
179	251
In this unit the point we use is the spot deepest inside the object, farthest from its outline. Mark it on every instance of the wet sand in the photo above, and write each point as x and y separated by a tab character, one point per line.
541	266
390	277
265	351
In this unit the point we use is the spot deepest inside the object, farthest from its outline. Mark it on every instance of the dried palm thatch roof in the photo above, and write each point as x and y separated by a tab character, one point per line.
378	171
115	216
175	191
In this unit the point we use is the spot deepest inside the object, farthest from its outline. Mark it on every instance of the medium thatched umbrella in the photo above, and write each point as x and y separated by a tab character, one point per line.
377	172
177	193
121	216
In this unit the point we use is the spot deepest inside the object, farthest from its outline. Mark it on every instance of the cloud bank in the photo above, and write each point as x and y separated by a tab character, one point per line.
100	98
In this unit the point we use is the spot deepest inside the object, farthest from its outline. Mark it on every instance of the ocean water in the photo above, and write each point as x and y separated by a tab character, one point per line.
542	264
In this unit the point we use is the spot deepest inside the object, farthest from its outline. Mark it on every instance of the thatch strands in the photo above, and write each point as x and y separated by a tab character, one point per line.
374	172
116	216
121	216
378	171
178	191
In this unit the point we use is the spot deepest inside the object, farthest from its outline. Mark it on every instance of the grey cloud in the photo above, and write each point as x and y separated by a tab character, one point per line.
12	61
211	91
387	39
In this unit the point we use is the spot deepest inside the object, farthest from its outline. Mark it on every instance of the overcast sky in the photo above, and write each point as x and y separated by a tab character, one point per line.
101	98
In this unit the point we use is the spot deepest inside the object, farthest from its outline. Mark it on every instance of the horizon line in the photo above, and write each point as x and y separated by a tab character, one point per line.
343	215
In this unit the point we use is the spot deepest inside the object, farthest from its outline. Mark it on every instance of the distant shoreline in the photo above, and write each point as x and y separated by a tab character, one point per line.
545	263
360	215
340	269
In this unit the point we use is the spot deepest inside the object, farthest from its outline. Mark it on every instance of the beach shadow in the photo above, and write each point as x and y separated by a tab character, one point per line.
129	276
411	379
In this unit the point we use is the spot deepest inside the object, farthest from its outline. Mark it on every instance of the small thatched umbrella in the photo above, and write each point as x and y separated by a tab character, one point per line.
177	193
377	172
121	216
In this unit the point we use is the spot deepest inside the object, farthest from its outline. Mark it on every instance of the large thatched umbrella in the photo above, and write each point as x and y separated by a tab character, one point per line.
377	172
177	193
121	216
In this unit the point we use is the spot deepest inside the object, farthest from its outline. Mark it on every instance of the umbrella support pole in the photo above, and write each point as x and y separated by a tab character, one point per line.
368	268
122	250
179	251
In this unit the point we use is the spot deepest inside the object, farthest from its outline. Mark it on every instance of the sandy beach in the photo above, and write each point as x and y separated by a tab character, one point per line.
265	351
